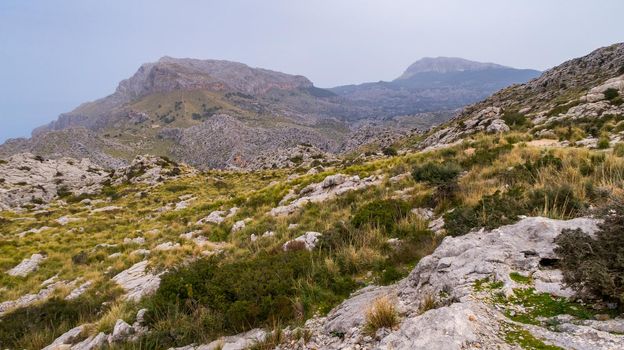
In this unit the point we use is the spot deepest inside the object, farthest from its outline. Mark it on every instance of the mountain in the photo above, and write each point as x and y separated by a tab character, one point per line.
434	84
208	113
220	114
571	95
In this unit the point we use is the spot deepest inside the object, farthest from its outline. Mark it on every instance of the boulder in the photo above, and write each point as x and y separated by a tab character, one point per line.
137	282
27	266
309	240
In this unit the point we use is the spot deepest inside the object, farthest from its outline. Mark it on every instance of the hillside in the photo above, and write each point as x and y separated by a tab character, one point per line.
575	102
434	84
501	229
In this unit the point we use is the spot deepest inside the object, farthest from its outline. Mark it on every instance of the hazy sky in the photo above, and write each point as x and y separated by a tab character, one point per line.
57	54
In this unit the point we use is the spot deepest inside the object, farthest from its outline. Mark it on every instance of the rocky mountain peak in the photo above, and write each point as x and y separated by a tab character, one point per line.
169	74
445	65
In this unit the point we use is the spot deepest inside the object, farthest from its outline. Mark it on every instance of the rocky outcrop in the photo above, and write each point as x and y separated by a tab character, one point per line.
26	179
463	317
329	188
27	266
137	281
151	170
30	299
236	342
218	216
307	241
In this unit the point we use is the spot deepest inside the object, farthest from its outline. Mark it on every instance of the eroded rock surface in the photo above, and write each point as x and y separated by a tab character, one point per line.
137	281
27	266
462	317
329	188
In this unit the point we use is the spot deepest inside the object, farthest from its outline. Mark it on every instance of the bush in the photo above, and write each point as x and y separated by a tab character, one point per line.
491	212
36	326
262	294
555	201
485	156
594	266
514	119
611	94
436	173
383	214
603	143
389	151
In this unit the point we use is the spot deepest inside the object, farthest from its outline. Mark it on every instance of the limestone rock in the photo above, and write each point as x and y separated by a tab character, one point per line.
329	188
30	299
308	240
121	331
79	291
27	266
66	339
497	126
137	282
28	178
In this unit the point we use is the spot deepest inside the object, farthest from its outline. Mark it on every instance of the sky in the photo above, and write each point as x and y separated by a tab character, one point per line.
55	55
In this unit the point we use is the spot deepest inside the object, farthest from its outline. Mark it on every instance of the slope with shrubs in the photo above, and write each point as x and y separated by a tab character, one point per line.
486	181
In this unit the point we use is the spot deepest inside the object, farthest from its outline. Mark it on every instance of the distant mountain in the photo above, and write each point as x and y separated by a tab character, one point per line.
570	96
446	65
219	114
434	84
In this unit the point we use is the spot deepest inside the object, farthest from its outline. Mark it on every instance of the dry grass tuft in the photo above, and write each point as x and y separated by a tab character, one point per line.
382	314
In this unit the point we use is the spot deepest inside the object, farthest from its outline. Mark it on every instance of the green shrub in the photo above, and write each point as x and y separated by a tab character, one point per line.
603	143
491	212
611	94
486	155
460	221
557	201
436	173
383	214
262	294
514	119
594	266
24	327
389	151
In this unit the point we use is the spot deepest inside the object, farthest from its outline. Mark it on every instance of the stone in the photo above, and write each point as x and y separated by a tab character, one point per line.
30	299
437	225
239	225
27	266
351	313
137	282
92	342
79	291
497	126
400	177
331	187
64	220
27	177
66	339
121	331
167	246
135	240
309	240
424	214
468	320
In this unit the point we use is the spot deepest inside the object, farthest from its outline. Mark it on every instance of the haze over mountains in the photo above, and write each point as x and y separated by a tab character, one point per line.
218	114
